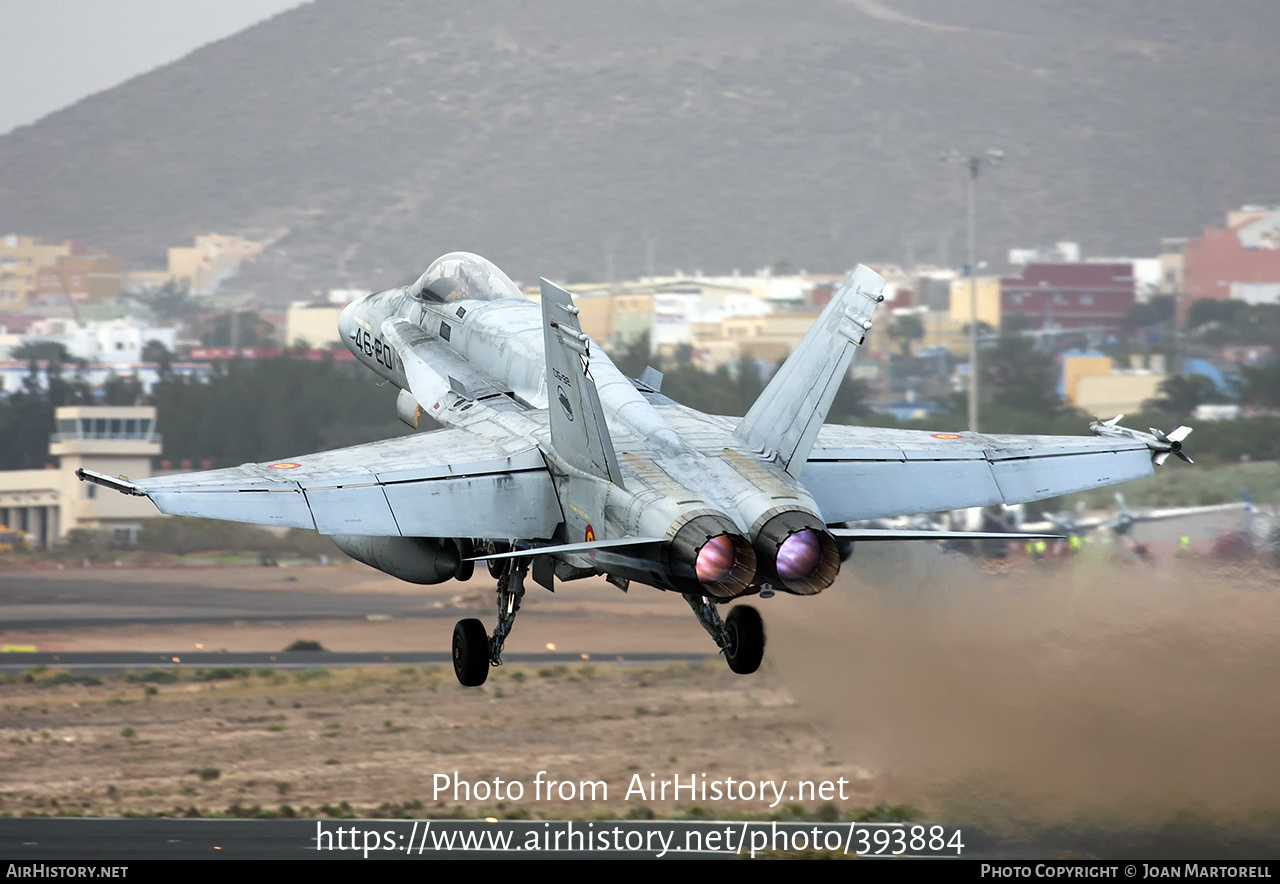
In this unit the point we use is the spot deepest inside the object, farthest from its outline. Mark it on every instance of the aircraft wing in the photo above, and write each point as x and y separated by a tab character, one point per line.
447	483
867	473
1077	526
1156	515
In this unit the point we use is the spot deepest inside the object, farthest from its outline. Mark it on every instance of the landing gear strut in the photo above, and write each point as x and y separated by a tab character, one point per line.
474	651
740	637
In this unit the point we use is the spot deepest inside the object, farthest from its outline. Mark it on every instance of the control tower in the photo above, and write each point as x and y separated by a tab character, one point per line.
47	504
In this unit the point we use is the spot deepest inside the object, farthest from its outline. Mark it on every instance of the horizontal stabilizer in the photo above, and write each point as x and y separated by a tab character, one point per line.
588	546
894	534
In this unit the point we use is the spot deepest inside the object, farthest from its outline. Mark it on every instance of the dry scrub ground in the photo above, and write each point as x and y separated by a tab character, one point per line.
377	738
1087	693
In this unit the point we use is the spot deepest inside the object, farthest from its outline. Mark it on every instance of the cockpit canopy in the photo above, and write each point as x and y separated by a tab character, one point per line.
462	276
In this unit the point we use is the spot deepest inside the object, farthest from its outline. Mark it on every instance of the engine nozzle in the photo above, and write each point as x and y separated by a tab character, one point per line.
708	556
795	549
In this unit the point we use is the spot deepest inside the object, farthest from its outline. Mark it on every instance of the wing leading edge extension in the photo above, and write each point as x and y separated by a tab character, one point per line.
449	483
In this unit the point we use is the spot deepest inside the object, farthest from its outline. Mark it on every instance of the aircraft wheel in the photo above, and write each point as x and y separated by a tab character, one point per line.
470	653
496	566
465	569
746	639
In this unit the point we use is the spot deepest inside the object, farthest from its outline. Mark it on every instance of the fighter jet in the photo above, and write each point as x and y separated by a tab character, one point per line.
1122	521
546	461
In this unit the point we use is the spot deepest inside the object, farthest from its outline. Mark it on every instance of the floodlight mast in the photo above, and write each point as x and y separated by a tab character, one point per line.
975	162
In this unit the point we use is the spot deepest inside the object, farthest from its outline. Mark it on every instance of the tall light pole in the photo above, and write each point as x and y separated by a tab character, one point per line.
975	162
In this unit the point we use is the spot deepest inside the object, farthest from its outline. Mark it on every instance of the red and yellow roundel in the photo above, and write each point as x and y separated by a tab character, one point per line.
591	534
947	436
284	466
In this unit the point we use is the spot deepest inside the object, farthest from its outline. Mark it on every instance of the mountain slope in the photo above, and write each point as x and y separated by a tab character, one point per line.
371	137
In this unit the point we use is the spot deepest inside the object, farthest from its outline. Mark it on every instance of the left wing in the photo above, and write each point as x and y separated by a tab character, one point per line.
448	483
859	473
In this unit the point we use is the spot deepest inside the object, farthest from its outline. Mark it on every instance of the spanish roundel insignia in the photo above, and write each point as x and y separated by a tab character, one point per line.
947	436
284	466
591	534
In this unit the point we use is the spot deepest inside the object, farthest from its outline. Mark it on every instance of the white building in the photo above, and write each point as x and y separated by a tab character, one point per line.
116	342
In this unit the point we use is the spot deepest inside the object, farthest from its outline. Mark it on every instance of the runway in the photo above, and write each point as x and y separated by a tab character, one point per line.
108	663
347	607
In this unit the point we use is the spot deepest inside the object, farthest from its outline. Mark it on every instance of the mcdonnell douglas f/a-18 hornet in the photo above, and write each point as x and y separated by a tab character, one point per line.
546	461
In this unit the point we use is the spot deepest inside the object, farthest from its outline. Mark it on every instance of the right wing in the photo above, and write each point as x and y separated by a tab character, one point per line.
857	473
447	483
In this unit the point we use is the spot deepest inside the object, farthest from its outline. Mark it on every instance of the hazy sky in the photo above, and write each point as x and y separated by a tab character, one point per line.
57	52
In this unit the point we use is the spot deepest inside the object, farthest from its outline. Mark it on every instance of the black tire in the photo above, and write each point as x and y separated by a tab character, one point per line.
465	569
496	566
470	653
746	639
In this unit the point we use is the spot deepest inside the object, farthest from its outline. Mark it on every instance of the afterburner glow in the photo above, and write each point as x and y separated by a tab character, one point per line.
799	555
715	560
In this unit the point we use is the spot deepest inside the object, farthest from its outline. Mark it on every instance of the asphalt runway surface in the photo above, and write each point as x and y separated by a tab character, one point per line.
115	663
105	596
102	597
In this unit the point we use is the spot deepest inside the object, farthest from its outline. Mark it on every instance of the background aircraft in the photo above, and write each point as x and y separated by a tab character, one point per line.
550	463
1121	521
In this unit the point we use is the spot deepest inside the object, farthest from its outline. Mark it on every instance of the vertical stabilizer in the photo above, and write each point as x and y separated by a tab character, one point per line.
579	434
787	416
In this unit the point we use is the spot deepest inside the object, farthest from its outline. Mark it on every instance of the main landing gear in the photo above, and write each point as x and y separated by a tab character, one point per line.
740	636
474	651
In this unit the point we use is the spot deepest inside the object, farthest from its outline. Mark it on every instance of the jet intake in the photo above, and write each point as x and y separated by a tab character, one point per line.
413	559
796	552
709	557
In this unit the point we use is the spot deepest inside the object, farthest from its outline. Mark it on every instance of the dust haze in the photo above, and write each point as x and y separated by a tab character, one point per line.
1077	689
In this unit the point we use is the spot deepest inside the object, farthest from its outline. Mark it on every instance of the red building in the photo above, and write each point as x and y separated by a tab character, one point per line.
1247	251
1072	295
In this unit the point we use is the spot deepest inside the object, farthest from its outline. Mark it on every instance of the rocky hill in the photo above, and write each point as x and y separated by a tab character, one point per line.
566	138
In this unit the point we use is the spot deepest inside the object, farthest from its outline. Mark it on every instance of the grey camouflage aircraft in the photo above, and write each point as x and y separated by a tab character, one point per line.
545	460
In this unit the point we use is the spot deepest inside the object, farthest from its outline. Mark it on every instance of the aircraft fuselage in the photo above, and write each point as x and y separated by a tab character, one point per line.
665	488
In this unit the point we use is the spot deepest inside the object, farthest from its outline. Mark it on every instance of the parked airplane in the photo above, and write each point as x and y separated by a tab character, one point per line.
1122	520
550	462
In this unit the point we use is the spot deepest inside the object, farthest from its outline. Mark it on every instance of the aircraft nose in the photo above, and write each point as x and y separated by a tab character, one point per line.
347	321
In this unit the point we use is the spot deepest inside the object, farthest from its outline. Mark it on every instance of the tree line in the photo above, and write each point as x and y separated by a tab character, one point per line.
255	410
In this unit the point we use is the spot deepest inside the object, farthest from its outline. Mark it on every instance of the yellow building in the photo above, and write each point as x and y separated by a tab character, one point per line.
1121	393
1074	368
95	277
212	259
47	504
632	317
595	315
941	330
1094	385
21	259
313	324
772	337
988	291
